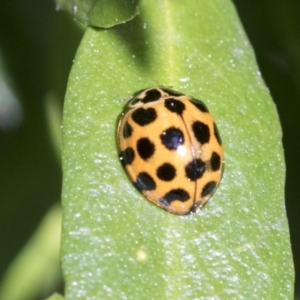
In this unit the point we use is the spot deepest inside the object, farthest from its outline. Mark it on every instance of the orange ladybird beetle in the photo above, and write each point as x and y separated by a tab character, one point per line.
171	149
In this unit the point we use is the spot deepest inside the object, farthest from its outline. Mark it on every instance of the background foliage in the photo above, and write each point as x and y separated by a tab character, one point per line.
37	45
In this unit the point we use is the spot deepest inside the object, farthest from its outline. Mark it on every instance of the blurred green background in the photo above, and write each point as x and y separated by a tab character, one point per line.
37	46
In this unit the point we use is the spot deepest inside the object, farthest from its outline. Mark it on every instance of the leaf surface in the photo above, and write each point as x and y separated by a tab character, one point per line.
118	245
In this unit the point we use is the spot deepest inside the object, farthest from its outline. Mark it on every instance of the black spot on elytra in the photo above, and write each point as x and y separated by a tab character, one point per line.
127	130
166	172
174	195
144	182
215	161
172	138
200	105
127	156
201	132
151	95
175	106
143	116
217	134
195	169
208	188
145	148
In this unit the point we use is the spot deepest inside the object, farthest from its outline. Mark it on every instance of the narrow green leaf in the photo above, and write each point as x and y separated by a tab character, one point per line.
55	297
101	13
118	245
36	268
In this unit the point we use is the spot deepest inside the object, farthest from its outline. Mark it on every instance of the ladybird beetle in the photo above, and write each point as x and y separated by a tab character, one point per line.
171	149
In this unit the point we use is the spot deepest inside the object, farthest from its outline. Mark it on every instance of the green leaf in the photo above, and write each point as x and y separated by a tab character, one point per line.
101	13
118	245
55	297
36	267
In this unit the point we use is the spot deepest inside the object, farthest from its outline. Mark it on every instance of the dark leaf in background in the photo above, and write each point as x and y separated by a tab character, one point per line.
274	31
